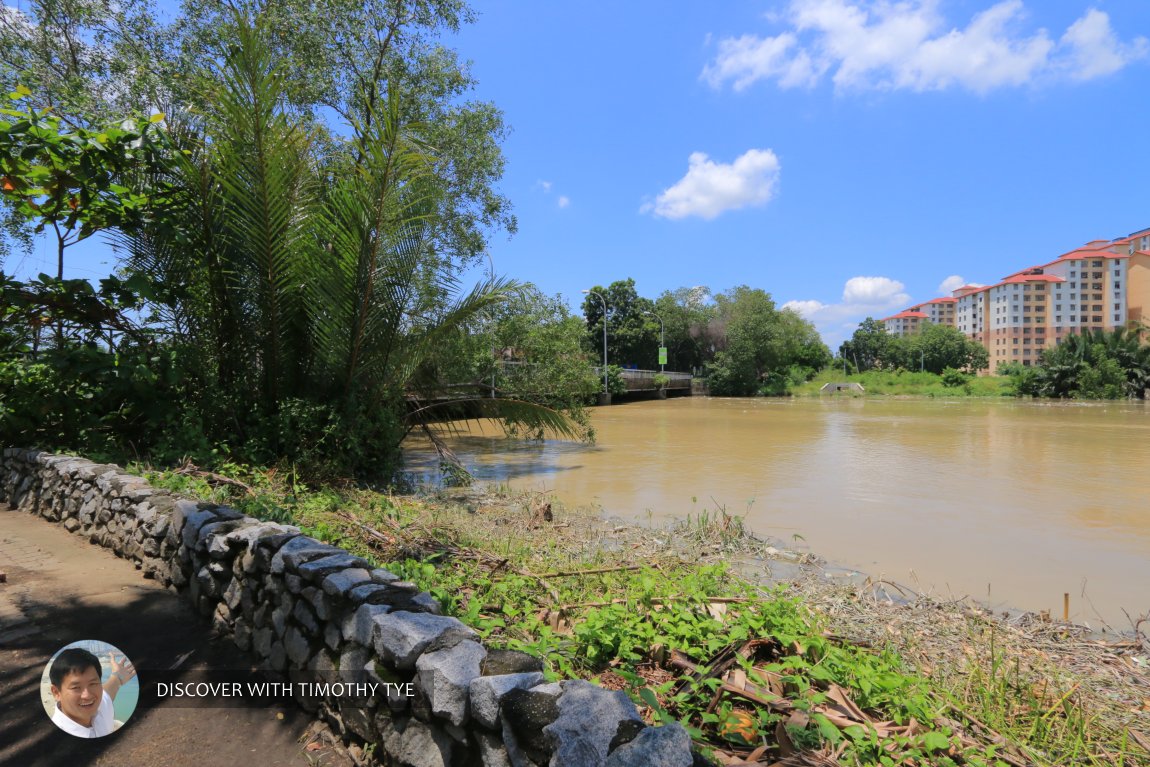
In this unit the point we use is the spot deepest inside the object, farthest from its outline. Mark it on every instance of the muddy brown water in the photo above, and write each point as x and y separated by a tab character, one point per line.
1012	503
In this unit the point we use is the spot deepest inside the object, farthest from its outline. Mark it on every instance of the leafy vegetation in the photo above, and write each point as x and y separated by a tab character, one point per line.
742	343
1092	365
911	383
934	349
741	665
301	283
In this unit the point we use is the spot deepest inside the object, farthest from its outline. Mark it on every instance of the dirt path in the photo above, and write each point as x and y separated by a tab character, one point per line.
61	589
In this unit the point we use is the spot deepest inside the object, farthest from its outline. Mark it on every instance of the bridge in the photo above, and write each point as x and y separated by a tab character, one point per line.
643	382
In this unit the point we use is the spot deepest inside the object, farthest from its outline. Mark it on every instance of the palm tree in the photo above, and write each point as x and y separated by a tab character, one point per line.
310	278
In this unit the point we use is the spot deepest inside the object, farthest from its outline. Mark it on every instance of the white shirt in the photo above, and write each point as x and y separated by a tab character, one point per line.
102	722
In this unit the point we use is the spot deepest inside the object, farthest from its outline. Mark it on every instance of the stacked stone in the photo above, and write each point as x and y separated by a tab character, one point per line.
311	612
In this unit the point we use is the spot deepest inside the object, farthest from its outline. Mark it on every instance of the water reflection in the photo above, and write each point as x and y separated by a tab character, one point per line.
1022	501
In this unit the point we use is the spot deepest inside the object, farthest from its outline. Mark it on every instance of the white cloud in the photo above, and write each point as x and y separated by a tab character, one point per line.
1093	50
874	291
950	284
862	296
880	44
544	185
563	201
710	188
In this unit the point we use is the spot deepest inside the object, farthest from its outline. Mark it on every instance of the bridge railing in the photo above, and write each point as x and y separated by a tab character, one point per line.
644	380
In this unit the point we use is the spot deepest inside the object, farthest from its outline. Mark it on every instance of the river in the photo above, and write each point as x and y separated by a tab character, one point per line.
1013	503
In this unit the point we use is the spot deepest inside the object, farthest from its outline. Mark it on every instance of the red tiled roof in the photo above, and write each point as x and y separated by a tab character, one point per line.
1085	252
907	315
944	300
1032	278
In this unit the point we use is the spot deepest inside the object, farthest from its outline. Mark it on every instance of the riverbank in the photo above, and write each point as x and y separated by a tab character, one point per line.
908	383
751	645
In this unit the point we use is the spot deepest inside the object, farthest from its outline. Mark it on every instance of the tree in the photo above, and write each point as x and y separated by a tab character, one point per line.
686	316
766	350
348	59
937	347
632	333
80	61
869	347
312	303
1091	365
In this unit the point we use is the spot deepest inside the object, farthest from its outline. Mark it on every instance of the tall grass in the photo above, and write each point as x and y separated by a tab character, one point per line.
906	383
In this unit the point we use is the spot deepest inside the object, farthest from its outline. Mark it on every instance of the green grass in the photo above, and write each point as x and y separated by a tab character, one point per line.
615	613
906	384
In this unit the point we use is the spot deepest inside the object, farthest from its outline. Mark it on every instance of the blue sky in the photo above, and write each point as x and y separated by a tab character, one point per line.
846	155
799	146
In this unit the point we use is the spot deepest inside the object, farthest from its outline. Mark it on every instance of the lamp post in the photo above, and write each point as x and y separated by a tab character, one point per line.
662	343
606	391
494	361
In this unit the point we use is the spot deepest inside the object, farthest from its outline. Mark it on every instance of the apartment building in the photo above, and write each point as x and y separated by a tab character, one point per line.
908	323
1104	284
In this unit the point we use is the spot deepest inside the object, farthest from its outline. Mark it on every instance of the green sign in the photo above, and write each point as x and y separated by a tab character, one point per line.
662	355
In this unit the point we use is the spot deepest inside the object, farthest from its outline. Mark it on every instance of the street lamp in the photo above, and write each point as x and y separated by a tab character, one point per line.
606	391
662	344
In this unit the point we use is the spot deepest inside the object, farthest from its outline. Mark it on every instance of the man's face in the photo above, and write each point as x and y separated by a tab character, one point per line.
79	695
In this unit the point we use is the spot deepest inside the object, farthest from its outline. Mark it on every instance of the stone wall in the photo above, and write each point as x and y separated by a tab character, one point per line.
312	612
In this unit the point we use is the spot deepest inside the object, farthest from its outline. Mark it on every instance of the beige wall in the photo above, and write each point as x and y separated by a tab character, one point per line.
1138	288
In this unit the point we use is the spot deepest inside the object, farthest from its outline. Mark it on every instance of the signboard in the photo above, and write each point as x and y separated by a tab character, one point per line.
662	355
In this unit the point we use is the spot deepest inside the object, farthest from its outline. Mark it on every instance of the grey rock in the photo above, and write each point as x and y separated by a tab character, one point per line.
192	523
589	717
351	663
401	637
487	693
492	752
358	720
233	594
415	744
379	575
331	636
242	636
315	570
500	662
445	678
245	536
339	583
424	603
667	746
262	642
320	602
359	627
370	593
213	538
297	550
306	617
525	713
296	646
279	618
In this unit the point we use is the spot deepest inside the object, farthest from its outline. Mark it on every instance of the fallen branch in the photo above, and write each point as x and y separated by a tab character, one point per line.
668	600
596	571
191	470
